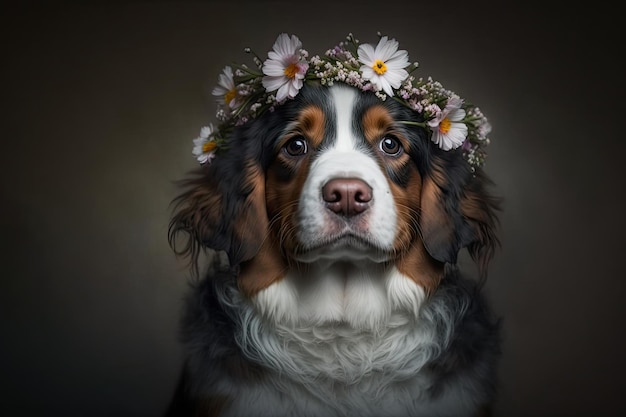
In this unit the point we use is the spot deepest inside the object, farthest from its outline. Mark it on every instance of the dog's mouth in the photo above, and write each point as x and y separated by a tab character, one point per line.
347	246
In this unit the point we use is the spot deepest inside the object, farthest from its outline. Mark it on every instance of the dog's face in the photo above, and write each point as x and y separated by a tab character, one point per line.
336	180
342	186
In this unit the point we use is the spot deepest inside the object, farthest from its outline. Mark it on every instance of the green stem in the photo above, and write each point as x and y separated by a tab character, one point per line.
412	123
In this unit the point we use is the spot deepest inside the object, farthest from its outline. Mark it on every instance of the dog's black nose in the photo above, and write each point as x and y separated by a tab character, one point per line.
347	196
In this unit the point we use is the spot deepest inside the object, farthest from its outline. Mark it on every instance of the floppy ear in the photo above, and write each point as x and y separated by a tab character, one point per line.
222	208
458	212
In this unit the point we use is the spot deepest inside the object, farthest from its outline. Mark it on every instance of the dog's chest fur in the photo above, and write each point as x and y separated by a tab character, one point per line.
436	364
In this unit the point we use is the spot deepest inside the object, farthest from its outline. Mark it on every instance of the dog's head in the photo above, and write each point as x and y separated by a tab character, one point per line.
336	175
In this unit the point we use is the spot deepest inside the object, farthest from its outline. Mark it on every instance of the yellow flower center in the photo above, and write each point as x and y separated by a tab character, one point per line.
379	67
444	126
209	146
291	70
230	95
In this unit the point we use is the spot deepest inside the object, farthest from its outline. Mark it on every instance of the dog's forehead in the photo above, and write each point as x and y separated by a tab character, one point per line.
340	112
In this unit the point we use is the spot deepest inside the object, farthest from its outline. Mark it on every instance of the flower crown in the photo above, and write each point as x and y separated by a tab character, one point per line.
244	93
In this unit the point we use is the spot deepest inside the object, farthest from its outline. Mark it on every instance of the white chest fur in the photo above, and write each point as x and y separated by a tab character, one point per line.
341	340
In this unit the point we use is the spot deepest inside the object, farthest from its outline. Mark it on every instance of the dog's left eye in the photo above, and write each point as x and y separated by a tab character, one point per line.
391	146
296	146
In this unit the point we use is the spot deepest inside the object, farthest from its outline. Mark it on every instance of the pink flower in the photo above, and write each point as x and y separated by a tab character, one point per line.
449	132
285	68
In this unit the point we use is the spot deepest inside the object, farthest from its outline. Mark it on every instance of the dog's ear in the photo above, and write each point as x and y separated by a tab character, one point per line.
222	208
458	212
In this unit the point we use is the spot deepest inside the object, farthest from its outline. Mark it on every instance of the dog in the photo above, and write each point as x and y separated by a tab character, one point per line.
333	289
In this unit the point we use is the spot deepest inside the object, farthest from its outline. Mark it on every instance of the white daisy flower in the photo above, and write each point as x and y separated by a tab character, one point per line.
384	66
285	68
225	90
204	148
449	132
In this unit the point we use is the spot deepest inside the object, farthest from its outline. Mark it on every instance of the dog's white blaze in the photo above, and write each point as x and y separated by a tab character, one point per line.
343	159
344	100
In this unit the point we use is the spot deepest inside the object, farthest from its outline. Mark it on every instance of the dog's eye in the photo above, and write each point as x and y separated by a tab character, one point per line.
391	146
296	146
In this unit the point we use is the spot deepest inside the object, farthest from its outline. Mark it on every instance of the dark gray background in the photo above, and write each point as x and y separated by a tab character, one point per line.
100	106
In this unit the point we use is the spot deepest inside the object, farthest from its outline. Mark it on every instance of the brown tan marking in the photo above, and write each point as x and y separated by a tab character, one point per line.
264	265
310	123
435	223
250	226
266	268
418	265
378	123
413	260
283	198
407	201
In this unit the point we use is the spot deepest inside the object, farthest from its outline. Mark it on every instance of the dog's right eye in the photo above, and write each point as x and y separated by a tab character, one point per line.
296	146
390	146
